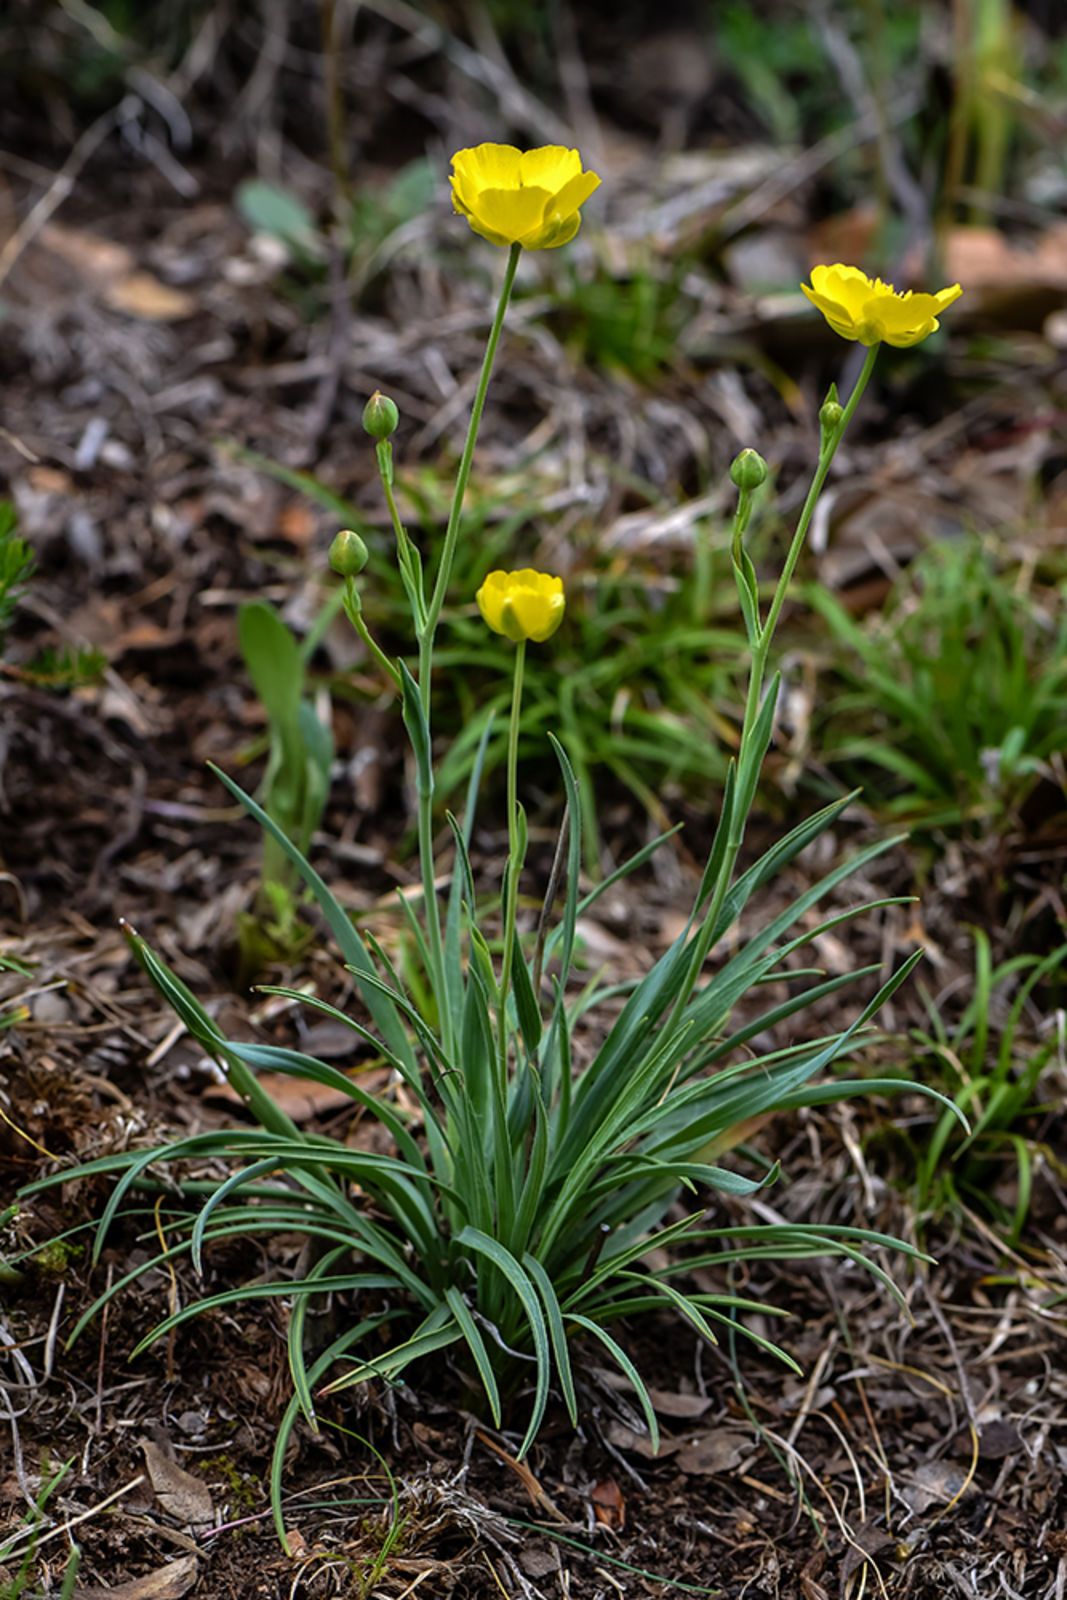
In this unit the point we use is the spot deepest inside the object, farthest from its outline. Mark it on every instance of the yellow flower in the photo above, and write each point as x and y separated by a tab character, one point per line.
522	605
858	307
529	197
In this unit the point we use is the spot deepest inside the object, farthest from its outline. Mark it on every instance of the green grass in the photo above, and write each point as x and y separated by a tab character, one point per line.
641	681
953	701
990	1063
23	1543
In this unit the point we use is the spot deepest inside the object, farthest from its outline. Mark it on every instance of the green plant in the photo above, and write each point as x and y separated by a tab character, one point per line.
296	781
16	565
22	1546
991	1071
990	103
374	223
643	691
959	687
49	669
625	324
783	69
527	1186
639	692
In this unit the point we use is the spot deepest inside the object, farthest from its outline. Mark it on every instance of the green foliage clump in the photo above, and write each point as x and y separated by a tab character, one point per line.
50	668
990	1067
954	697
296	782
627	324
23	1543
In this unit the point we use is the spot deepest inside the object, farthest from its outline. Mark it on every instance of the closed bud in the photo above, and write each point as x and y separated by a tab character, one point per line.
348	553
749	470
380	416
830	413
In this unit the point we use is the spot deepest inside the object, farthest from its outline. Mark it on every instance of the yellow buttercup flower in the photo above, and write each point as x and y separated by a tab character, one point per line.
522	605
527	197
872	312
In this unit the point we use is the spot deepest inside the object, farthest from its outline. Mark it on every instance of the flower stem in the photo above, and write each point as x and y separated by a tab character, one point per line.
516	851
826	456
444	569
426	627
353	608
747	771
407	556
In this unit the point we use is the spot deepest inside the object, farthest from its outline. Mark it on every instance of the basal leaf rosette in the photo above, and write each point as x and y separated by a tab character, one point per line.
872	312
522	605
527	197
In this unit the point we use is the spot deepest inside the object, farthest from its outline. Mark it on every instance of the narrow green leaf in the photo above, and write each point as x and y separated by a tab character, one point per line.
433	1334
418	731
622	1360
272	658
520	1282
351	945
526	1007
340	1346
476	1345
557	1333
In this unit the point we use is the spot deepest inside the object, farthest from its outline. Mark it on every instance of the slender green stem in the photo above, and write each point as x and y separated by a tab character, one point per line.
354	612
761	648
444	569
701	573
426	627
746	779
434	942
407	557
515	850
826	456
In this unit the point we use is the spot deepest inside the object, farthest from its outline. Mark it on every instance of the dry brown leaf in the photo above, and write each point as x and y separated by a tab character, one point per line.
49	480
669	1403
165	1583
301	1098
714	1451
982	258
181	1496
101	260
846	236
933	1483
609	1507
526	1478
538	1560
138	294
298	524
624	1438
997	1438
729	1138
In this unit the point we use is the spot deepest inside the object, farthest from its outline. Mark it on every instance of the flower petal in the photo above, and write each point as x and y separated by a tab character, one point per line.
945	297
550	167
574	194
489	166
509	216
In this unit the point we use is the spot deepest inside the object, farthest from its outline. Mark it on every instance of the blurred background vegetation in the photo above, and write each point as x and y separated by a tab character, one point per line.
740	142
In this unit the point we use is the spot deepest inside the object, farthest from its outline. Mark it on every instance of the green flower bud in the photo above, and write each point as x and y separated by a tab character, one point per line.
830	413
748	471
380	416
348	553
